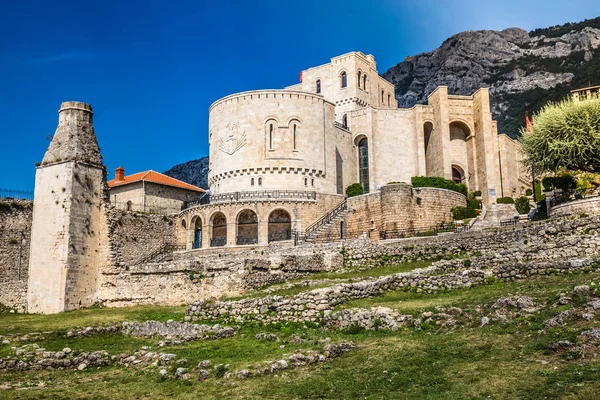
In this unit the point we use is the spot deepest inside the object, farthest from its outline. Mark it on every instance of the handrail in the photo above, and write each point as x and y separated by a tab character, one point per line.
252	196
326	218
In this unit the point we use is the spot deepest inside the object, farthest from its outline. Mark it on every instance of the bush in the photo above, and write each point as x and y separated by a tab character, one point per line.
565	182
505	200
463	212
474	203
477	193
355	189
522	205
528	192
438	182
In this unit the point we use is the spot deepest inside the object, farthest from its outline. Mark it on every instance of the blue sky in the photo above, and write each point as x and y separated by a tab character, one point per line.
151	68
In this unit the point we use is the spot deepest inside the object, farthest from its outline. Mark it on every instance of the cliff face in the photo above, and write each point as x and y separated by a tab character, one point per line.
522	69
194	172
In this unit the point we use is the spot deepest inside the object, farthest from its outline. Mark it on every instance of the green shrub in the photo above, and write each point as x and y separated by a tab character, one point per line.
522	205
477	193
463	212
564	182
528	192
438	182
355	189
505	200
474	203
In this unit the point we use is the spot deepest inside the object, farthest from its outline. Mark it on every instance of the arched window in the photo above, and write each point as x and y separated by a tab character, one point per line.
365	81
359	75
382	97
427	131
129	204
294	138
259	181
197	226
252	182
344	79
318	86
345	121
389	100
457	175
363	164
270	136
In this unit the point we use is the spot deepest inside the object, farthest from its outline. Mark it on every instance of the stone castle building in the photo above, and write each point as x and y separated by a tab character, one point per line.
280	161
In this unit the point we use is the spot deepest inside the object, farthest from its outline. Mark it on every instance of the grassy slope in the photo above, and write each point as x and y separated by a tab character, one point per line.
497	361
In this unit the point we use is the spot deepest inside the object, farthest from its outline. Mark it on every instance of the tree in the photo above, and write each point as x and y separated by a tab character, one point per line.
565	135
356	189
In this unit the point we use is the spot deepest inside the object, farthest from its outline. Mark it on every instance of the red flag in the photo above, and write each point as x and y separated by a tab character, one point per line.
528	123
300	76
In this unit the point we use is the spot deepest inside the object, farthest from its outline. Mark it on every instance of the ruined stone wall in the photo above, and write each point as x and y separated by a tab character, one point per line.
15	234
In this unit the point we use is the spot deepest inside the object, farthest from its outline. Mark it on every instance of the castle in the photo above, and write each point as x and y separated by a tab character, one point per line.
280	161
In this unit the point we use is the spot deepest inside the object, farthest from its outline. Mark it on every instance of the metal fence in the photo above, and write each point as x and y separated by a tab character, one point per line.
9	194
255	195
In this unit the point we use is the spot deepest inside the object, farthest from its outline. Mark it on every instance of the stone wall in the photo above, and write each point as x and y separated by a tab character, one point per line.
151	197
400	207
589	205
15	234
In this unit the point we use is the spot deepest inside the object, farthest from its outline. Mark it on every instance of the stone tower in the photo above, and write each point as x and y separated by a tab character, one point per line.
67	216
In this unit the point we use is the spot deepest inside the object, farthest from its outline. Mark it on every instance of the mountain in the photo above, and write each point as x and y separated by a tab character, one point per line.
523	69
194	172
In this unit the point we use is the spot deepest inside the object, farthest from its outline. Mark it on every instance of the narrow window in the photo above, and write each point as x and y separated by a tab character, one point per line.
259	181
365	81
270	138
345	121
312	182
389	100
295	137
363	164
359	73
382	98
318	86
252	182
305	181
344	80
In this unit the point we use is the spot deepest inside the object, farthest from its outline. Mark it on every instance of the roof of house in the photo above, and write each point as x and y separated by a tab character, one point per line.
154	177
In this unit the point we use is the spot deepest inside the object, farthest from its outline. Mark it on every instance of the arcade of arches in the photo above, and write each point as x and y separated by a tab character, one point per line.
248	227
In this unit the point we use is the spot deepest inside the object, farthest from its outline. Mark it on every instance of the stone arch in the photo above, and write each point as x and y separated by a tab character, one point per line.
218	229
295	125
280	225
359	76
460	153
196	231
458	173
129	205
365	81
247	227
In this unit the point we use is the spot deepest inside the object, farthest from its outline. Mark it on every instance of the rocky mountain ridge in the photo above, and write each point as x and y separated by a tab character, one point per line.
522	69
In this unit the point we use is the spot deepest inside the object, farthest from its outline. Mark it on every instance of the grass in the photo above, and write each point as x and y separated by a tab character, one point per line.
498	361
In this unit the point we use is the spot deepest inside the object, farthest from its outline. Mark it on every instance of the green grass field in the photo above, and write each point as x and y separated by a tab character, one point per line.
499	361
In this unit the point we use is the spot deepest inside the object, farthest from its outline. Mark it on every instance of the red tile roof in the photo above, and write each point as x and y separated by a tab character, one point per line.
154	177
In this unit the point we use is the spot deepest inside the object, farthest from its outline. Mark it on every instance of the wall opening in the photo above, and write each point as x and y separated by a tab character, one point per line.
280	225
247	228
196	225
343	79
219	230
318	86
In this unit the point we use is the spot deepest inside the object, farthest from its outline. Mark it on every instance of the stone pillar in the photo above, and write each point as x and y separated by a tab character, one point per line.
486	148
68	216
440	137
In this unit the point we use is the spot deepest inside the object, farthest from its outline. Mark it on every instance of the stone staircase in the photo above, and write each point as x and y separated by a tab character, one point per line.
495	215
330	231
324	229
